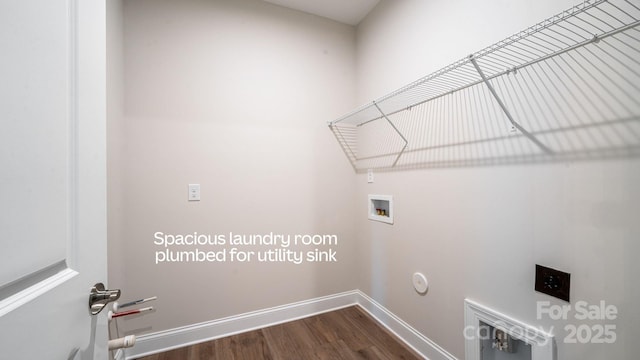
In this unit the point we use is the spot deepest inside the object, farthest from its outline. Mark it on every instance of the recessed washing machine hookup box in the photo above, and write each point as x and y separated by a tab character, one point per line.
381	208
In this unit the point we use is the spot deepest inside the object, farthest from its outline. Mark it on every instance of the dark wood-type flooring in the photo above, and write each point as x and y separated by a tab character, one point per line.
348	333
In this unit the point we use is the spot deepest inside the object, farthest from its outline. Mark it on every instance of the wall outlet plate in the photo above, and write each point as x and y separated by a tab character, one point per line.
194	192
553	282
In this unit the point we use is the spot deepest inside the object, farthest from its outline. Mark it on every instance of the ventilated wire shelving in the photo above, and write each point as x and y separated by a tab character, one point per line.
567	88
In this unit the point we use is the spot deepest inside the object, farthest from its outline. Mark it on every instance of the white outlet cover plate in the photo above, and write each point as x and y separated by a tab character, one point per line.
194	192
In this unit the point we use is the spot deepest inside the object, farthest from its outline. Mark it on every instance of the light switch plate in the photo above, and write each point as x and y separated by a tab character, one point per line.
369	176
194	192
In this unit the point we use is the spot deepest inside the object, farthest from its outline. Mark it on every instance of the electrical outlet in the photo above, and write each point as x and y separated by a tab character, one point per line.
553	282
369	176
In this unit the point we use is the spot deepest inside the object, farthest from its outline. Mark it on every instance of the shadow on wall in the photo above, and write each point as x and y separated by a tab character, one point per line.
553	92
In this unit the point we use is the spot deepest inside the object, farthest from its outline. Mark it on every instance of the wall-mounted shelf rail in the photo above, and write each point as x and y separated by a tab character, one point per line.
567	88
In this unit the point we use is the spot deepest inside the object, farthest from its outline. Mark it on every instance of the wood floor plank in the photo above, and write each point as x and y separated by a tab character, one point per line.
373	352
334	324
383	340
334	350
204	351
291	340
349	334
250	345
220	349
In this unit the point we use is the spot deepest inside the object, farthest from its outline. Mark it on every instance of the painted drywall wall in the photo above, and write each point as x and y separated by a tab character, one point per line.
234	96
115	138
478	232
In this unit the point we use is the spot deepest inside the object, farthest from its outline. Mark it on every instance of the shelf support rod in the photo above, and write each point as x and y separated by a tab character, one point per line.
506	111
397	131
344	144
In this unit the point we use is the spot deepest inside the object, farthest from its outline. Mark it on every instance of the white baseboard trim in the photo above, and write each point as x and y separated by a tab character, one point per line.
210	330
193	334
412	337
119	355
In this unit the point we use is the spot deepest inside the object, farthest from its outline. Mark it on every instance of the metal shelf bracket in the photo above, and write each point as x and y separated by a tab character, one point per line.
506	111
396	130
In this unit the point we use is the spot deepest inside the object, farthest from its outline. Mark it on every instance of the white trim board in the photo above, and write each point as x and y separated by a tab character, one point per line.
410	336
542	343
119	355
193	334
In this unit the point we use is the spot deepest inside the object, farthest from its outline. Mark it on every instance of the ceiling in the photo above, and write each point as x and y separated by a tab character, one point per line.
349	12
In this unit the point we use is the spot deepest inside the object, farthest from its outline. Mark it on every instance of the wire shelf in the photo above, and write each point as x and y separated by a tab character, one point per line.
567	88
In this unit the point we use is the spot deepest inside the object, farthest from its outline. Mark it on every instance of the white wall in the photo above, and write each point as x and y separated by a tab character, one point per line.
478	232
233	95
115	138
